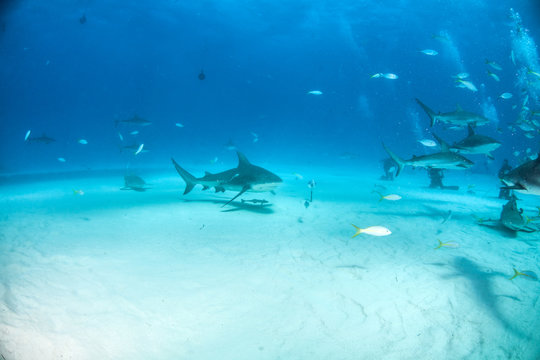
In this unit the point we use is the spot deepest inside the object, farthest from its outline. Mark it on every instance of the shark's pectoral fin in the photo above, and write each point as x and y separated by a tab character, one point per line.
490	156
244	189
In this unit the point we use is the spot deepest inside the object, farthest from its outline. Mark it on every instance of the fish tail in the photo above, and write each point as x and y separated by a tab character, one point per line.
380	195
516	274
74	192
440	244
190	180
400	162
358	231
428	111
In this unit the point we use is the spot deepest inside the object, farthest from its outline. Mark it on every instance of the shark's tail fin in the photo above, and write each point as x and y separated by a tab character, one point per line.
400	162
190	180
428	111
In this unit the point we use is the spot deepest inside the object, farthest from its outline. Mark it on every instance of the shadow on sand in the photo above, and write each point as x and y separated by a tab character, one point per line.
237	206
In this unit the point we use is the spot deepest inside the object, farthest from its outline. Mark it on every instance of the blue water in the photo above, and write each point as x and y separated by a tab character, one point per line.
72	81
88	271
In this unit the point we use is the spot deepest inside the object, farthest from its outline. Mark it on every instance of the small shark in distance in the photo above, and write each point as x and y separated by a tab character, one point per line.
476	144
524	178
459	117
441	160
135	120
245	177
41	139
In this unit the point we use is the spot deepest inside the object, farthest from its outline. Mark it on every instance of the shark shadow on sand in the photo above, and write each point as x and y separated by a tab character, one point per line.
237	206
481	285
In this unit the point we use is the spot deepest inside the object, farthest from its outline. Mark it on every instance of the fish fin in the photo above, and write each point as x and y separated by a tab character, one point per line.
444	145
244	189
490	156
470	130
381	195
440	244
516	274
428	111
358	231
242	159
400	162
190	180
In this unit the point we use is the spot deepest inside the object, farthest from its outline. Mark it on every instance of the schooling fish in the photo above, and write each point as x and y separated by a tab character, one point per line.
466	84
391	197
494	65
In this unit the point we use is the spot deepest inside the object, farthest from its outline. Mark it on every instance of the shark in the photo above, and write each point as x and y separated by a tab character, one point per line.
44	139
459	117
476	144
244	177
511	219
135	120
525	178
445	159
134	182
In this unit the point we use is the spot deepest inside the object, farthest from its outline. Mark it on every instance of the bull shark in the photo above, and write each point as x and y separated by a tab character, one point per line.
459	117
441	160
135	120
524	178
245	177
476	144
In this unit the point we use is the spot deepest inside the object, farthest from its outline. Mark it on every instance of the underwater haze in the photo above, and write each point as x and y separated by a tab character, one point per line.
416	122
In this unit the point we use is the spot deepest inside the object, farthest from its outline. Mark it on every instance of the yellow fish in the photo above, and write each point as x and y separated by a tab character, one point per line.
446	244
372	230
78	192
529	274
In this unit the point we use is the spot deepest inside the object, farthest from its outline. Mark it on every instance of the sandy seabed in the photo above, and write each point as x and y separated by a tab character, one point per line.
156	275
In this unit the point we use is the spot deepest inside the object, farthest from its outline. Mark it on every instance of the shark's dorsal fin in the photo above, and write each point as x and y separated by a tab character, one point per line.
471	130
458	107
444	144
242	159
206	173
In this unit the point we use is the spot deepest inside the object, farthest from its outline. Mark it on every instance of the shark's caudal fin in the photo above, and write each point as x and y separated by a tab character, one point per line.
190	180
400	163
428	111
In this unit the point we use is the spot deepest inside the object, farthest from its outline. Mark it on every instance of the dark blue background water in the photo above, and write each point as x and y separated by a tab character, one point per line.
72	80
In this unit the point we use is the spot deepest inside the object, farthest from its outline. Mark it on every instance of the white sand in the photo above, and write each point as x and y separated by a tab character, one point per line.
157	275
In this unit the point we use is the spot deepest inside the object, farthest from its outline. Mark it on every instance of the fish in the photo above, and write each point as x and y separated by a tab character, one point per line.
135	120
245	177
230	145
77	192
372	230
121	137
512	57
139	149
429	52
530	275
494	65
461	76
446	244
83	142
298	176
61	159
134	148
458	117
466	84
512	218
494	76
391	197
134	182
441	160
390	76
376	76
529	71
179	125
315	92
44	139
476	144
27	135
255	137
505	96
135	132
255	201
516	153
525	178
214	160
427	142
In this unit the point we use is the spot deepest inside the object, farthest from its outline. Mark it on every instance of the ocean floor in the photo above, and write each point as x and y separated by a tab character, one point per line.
116	274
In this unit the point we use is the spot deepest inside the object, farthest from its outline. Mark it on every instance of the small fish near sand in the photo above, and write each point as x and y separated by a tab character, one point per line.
449	244
529	275
390	197
372	230
429	52
315	92
260	202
